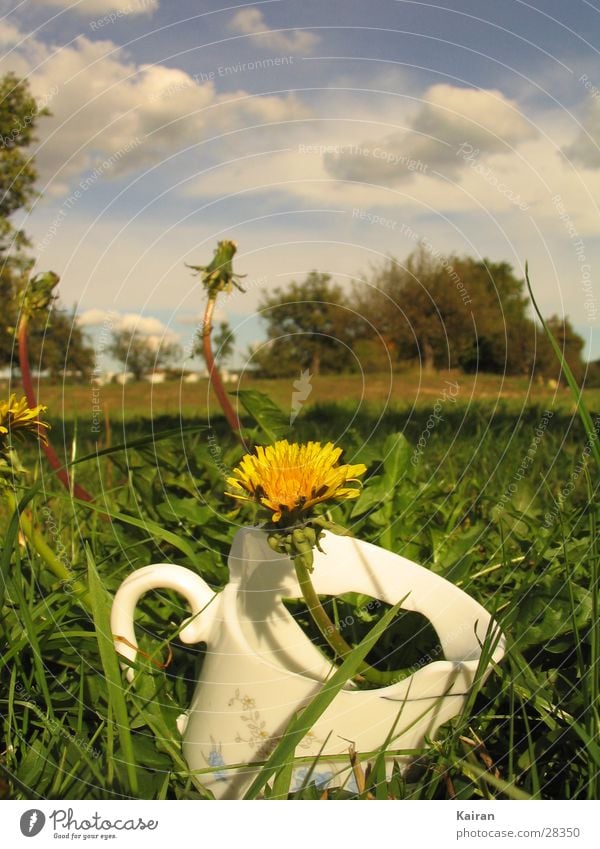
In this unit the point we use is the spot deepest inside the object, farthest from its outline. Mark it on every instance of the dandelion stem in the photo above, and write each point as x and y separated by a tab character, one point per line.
49	451
213	372
331	634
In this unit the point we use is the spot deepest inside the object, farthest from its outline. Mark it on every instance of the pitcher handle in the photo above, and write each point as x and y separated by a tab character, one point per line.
166	576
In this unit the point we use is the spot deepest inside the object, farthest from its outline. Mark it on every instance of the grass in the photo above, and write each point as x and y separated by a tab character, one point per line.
374	392
488	490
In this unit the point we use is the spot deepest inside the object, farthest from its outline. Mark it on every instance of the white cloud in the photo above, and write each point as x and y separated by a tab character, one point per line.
95	318
518	165
144	325
102	7
448	117
9	34
585	150
251	22
153	329
110	113
132	258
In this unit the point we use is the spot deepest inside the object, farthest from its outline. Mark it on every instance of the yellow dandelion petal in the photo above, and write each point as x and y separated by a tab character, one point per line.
18	416
290	478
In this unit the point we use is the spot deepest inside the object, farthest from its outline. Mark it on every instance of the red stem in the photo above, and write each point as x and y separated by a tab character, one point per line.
49	451
213	371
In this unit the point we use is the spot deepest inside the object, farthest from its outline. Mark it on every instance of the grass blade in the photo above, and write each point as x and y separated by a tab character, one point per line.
301	724
147	525
583	411
12	530
117	705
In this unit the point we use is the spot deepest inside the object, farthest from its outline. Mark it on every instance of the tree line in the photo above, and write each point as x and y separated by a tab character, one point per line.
438	312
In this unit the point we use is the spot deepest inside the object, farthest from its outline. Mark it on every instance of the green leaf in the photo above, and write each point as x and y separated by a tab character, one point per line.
450	549
544	612
148	756
397	453
33	764
283	781
268	416
185	509
378	490
373	494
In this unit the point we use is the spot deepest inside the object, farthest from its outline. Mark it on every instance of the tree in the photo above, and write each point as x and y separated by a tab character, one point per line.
18	121
57	344
224	343
141	354
592	379
309	326
504	337
418	311
452	312
571	345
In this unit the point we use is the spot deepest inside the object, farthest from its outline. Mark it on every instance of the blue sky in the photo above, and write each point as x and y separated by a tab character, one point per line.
319	135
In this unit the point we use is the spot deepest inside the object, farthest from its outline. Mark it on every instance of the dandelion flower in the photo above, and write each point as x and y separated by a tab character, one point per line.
288	478
19	416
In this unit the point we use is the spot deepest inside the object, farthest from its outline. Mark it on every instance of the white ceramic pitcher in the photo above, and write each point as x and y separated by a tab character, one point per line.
260	667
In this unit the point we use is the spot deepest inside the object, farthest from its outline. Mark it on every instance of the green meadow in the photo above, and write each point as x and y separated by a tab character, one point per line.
491	485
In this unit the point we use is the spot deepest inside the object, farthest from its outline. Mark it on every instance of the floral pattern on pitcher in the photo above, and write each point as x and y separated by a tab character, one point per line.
255	731
215	758
319	779
257	734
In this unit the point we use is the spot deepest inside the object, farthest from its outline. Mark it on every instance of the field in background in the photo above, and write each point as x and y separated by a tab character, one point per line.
403	390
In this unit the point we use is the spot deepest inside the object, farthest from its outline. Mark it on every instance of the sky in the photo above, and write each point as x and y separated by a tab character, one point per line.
317	134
